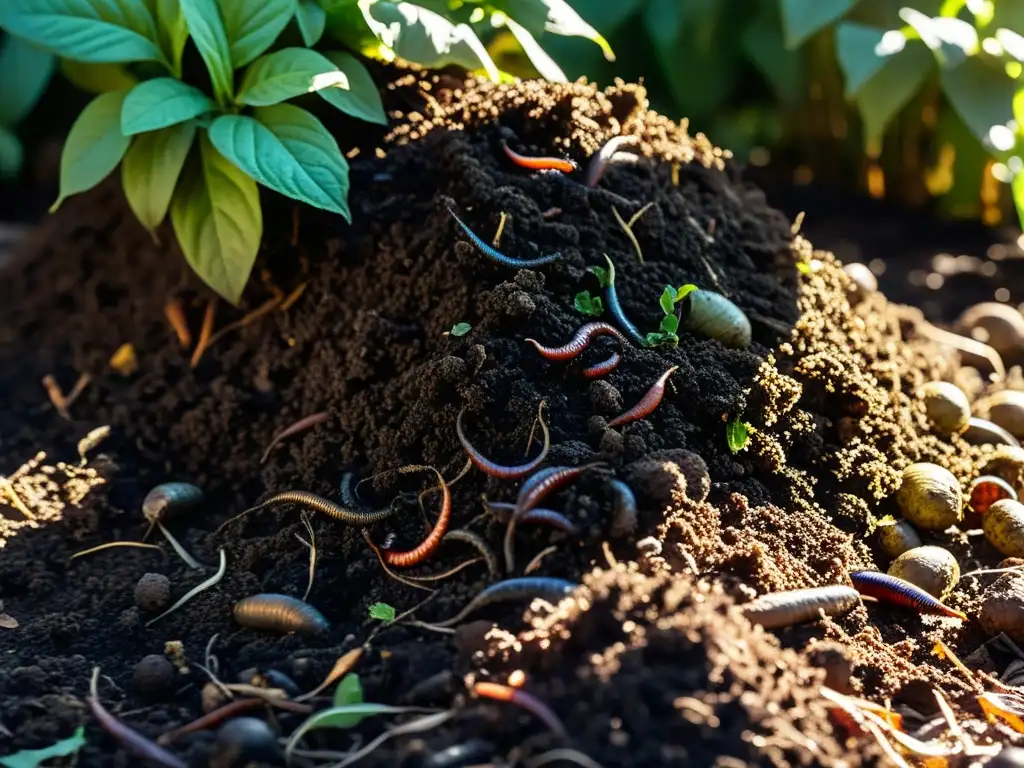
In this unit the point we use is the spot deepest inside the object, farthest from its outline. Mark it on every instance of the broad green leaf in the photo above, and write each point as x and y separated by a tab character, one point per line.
546	66
802	18
667	300
684	291
207	30
253	25
97	78
11	154
1011	42
663	20
85	30
25	71
607	16
312	20
362	98
982	96
951	40
173	31
861	53
94	146
218	221
737	435
762	43
156	104
288	73
326	718
421	36
349	691
33	758
888	91
288	150
150	171
669	324
556	17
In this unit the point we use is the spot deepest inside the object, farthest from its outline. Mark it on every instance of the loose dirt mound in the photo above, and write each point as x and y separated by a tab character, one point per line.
651	665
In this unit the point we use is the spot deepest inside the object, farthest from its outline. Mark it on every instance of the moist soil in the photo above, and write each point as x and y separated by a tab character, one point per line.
650	663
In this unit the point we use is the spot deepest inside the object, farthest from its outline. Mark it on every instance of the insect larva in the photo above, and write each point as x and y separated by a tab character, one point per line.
170	499
894	590
783	609
280	613
511	590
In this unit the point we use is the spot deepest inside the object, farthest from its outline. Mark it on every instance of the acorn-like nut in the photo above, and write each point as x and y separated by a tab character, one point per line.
930	497
862	280
1004	527
713	315
153	592
986	491
984	432
946	406
998	325
933	569
897	537
1006	409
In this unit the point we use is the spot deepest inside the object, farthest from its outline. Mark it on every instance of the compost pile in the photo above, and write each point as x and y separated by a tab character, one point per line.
651	663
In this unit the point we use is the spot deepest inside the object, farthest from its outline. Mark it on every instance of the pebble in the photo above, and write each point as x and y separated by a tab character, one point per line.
1002	607
863	280
897	537
153	592
153	675
933	569
242	741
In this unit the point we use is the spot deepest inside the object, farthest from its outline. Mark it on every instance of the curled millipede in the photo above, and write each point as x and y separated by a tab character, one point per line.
783	609
891	589
169	499
280	613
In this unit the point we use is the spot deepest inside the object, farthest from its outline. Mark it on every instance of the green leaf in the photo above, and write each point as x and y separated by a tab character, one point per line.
151	168
288	150
982	96
11	154
602	274
737	435
763	44
97	78
349	691
85	30
253	25
173	32
25	71
1017	188
546	66
156	104
94	146
802	18
861	54
951	40
667	300
383	611
207	30
459	329
607	16
33	758
661	339
684	291
288	73
217	219
326	718
587	304
669	324
554	16
362	98
312	19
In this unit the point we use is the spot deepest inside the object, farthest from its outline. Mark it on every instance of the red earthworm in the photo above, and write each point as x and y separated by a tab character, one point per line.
211	719
795	606
131	740
890	589
539	163
647	403
549	517
299	426
355	516
604	367
428	546
521	699
580	341
499	470
280	613
599	162
510	590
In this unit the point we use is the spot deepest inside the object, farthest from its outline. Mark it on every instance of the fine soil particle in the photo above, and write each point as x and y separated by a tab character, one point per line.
649	664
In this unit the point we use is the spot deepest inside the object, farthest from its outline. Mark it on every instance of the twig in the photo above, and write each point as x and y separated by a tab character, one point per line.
675	174
629	234
215	717
90	442
15	498
112	544
342	667
534	564
175	314
420	725
205	332
501	228
636	216
306	422
56	396
263	309
292	297
943	651
312	553
84	380
210	582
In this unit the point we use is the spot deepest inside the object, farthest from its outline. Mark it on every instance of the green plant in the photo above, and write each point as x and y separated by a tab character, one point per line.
737	434
666	335
587	304
32	758
459	329
25	71
382	612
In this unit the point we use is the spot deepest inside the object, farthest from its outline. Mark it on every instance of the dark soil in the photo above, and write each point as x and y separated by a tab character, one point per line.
650	664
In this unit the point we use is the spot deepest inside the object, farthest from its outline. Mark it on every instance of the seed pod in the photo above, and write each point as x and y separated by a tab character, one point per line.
863	281
783	609
897	537
280	613
1006	409
713	315
998	325
930	497
170	499
987	490
933	569
946	406
984	432
1004	527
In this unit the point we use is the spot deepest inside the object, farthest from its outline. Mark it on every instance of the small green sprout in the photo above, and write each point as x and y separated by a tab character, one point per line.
683	291
602	274
803	267
33	758
737	434
668	300
588	305
667	333
460	329
382	612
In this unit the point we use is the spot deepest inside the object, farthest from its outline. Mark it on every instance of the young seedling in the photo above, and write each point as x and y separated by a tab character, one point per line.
737	434
666	335
32	758
382	612
460	329
587	304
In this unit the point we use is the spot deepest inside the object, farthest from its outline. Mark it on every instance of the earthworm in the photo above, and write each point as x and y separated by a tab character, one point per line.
580	341
548	517
428	546
795	606
624	511
128	738
500	470
890	589
530	494
510	590
301	425
362	517
521	699
478	543
211	719
611	296
539	163
280	613
168	499
647	403
604	367
497	256
599	162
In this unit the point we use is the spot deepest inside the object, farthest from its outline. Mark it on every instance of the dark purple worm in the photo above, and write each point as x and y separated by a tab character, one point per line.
280	613
624	510
547	517
479	544
580	341
599	162
512	590
611	296
502	471
521	699
890	589
796	606
603	368
647	403
497	256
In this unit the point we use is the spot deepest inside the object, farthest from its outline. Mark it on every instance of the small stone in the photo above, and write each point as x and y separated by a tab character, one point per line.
153	676
153	592
1002	607
605	398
